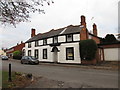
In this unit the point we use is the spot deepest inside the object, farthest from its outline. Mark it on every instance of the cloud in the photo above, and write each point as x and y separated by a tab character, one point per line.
63	13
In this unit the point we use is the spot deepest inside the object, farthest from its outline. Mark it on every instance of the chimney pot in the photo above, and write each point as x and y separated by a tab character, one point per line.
94	26
21	42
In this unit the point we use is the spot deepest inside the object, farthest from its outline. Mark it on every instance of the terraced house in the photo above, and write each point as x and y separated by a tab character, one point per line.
61	45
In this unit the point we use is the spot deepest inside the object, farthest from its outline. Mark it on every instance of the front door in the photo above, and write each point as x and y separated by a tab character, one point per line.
55	55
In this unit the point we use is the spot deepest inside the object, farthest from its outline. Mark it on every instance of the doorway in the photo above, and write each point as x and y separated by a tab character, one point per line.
55	54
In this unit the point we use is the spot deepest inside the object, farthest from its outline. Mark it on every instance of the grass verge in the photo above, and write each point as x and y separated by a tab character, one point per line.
19	80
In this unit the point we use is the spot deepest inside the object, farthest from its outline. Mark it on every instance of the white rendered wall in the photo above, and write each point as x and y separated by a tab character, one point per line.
76	37
40	42
61	38
62	48
49	54
50	40
62	53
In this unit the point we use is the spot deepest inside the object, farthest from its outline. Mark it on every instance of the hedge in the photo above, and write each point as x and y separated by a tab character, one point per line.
88	49
17	54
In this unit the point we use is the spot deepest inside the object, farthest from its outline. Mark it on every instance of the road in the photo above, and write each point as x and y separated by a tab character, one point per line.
77	76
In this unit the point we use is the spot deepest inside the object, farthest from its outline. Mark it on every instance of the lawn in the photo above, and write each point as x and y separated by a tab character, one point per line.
5	83
19	80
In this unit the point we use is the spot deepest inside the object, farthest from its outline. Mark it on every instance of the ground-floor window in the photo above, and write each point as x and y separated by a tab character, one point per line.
36	53
29	52
70	53
44	53
23	52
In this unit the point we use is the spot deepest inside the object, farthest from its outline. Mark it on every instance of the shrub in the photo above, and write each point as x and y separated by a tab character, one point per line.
17	54
109	38
17	57
88	49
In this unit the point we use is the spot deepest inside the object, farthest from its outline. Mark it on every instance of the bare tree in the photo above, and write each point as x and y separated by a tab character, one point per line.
16	11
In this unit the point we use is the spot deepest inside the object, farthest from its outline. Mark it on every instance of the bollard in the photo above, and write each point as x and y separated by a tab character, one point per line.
9	78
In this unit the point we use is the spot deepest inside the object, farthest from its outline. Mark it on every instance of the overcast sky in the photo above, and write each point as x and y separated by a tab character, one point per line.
63	13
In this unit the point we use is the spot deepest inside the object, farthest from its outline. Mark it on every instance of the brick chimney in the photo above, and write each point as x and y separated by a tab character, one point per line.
33	32
95	29
83	32
83	21
97	40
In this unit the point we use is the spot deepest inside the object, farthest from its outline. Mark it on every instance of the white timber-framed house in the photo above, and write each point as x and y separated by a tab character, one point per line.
61	45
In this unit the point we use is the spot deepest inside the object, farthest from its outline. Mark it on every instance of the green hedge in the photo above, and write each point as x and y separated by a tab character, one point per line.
17	54
17	57
88	49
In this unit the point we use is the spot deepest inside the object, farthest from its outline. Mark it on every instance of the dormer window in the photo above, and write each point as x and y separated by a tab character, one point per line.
69	37
29	45
44	41
36	43
55	39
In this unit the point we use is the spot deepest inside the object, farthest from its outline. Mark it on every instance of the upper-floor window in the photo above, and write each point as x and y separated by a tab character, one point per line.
55	39
44	41
29	45
36	43
69	37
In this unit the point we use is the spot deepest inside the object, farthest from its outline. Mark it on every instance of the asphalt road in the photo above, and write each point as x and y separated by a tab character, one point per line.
75	76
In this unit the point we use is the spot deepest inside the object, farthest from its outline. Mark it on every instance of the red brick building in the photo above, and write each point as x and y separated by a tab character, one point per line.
19	47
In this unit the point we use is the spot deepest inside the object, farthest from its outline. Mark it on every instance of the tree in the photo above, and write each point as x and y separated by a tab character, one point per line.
118	36
109	38
16	11
88	49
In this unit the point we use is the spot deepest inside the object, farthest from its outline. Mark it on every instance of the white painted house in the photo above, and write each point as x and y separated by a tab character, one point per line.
61	45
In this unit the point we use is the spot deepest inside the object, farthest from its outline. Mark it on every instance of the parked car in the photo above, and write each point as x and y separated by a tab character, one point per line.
4	57
29	60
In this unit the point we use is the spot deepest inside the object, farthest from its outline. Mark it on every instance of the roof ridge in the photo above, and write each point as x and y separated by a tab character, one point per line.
59	28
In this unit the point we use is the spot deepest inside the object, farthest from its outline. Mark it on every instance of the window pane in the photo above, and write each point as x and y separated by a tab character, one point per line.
29	52
36	54
36	43
44	53
29	45
70	53
55	39
69	37
23	52
44	41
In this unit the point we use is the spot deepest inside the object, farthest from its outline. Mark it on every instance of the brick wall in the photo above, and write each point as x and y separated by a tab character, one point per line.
83	34
97	40
19	47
